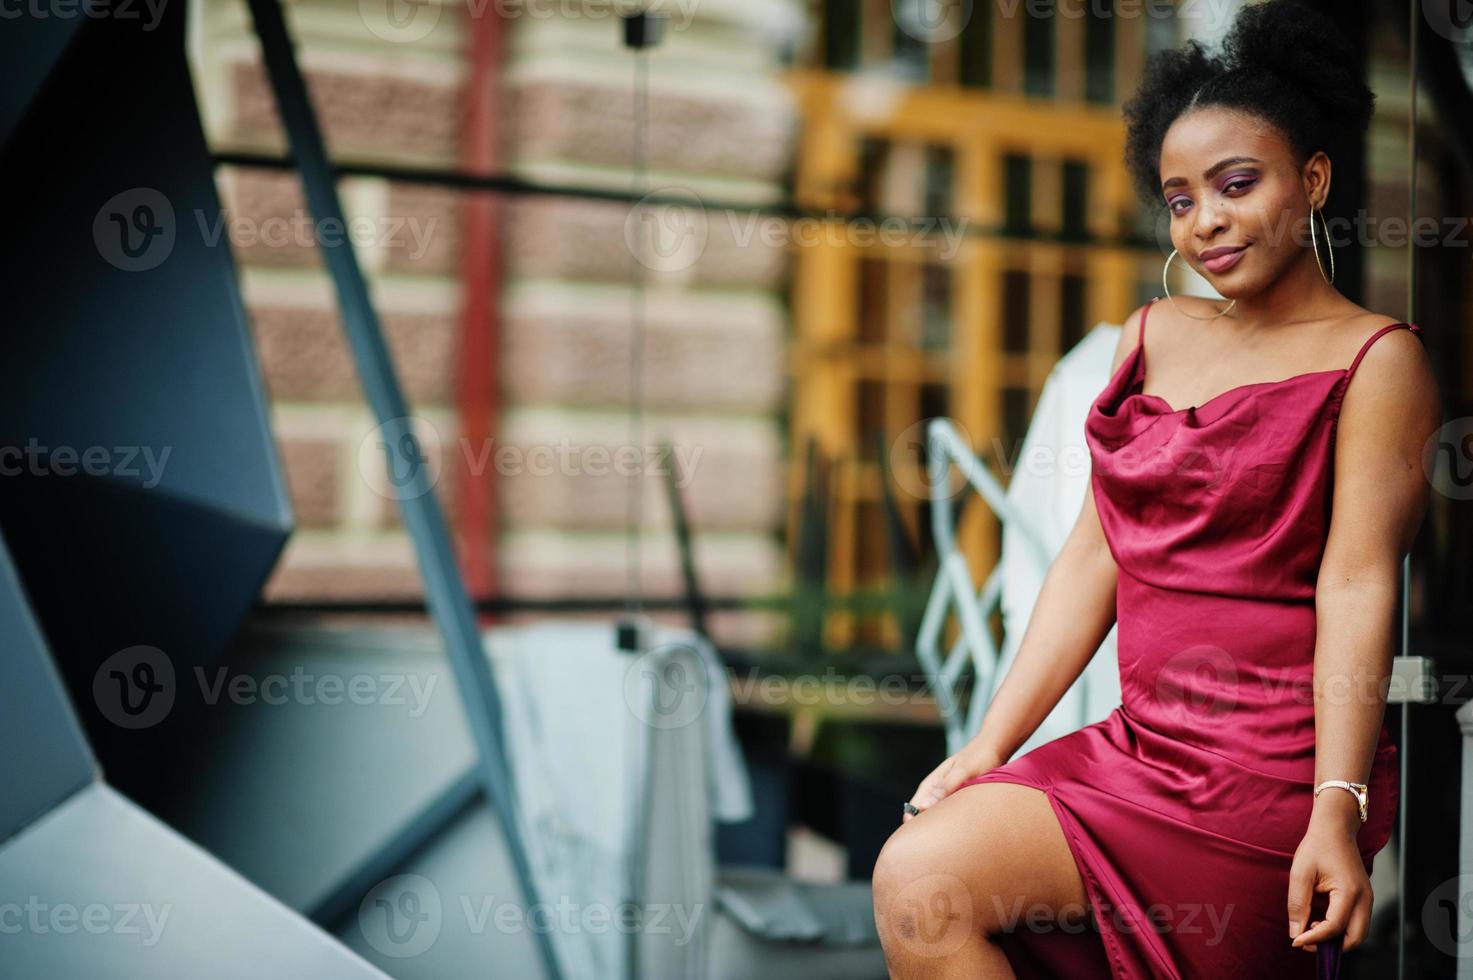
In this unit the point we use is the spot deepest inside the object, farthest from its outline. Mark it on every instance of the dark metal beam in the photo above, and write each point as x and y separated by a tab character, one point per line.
420	507
517	187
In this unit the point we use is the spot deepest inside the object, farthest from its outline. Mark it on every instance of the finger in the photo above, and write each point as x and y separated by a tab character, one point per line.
1336	918
1360	921
927	790
1310	947
924	793
952	779
1301	891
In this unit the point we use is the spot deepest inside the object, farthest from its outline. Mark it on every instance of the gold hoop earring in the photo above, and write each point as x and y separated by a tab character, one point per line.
1167	290
1314	244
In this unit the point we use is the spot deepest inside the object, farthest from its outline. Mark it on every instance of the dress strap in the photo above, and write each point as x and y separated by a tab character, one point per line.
1416	330
1141	331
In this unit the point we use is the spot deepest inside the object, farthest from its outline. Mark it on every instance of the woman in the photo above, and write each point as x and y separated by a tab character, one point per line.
1192	833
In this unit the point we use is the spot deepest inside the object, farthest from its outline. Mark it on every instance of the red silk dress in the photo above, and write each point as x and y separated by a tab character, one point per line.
1184	806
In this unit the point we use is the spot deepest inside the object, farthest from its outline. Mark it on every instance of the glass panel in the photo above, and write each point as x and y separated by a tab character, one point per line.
935	401
1017	407
874	301
1015	334
1072	306
870	411
841	35
1038	55
1075	201
1018	193
874	155
975	43
940	178
936	307
911	53
1099	56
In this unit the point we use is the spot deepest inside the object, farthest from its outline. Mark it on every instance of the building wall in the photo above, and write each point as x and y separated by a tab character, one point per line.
721	129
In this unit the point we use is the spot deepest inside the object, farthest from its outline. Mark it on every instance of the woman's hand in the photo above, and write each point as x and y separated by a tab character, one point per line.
1328	861
973	760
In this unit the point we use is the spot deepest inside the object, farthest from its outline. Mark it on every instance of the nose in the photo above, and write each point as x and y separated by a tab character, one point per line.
1209	220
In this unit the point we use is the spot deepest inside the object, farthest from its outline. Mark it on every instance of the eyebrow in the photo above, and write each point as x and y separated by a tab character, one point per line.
1212	171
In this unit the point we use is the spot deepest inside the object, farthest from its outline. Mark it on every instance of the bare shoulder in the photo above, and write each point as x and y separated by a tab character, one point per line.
1129	337
1385	429
1394	384
1399	356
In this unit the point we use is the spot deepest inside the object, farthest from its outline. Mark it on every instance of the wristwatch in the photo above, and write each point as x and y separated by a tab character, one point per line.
1360	790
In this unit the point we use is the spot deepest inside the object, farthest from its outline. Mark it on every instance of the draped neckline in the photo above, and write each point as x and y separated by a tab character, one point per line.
1137	378
1163	407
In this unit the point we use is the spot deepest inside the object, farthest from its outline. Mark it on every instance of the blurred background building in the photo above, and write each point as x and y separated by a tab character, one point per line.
793	371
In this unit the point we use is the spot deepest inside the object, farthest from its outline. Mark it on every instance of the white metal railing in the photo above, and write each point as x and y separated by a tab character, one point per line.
953	587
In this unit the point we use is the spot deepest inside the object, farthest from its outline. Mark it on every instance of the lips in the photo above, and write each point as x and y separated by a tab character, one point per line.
1222	258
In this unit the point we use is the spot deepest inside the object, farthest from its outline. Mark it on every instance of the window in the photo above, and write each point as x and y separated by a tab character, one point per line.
1038	54
1018	191
874	301
940	177
1015	287
1072	310
1017	406
935	307
911	53
1099	57
975	48
841	36
1075	201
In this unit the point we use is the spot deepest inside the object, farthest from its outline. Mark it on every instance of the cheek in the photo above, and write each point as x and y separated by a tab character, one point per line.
1268	218
1263	222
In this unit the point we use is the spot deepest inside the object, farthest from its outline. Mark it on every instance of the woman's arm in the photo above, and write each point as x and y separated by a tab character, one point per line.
1380	496
1073	614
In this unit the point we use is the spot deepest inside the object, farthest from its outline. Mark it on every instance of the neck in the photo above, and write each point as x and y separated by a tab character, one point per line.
1301	293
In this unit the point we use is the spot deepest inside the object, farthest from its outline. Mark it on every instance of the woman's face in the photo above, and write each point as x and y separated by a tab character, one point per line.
1237	201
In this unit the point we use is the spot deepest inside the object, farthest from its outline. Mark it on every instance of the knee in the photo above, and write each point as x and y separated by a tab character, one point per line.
923	908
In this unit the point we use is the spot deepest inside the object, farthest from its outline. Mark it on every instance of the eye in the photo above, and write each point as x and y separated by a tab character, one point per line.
1239	184
1178	205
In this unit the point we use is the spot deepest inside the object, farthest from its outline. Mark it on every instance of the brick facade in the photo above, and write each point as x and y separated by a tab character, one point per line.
716	327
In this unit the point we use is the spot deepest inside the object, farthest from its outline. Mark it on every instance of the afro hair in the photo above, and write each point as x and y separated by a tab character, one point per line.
1282	61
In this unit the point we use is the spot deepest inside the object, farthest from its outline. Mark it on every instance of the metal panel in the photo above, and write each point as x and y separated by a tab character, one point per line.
98	888
46	758
29	54
141	492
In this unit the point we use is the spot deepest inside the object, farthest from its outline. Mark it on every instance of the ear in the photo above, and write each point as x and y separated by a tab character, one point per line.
1316	178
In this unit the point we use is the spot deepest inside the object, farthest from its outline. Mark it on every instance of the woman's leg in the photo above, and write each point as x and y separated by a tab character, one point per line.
989	857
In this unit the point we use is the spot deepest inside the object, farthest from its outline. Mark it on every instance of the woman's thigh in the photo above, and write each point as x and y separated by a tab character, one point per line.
990	857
